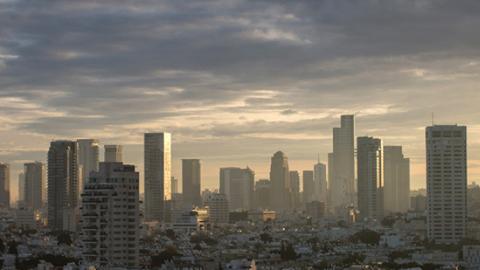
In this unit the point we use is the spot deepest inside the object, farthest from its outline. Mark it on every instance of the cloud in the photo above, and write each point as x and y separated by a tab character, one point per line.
236	72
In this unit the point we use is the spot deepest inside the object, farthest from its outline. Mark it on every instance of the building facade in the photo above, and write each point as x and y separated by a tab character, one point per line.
397	180
34	185
281	198
88	151
295	186
308	186
113	153
63	190
342	184
110	217
158	167
370	178
191	182
446	183
320	182
238	185
218	209
4	185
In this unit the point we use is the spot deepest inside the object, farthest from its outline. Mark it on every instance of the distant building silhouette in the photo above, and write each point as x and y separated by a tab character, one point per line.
113	153
218	209
397	180
157	162
63	190
4	185
34	185
320	182
446	183
308	187
280	181
88	151
238	185
370	177
342	182
262	194
191	182
295	186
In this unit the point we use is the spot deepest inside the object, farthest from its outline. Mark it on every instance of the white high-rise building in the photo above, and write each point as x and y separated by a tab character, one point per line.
4	185
87	159
238	185
110	217
62	185
113	153
370	177
446	183
218	209
34	184
320	182
342	185
397	180
158	167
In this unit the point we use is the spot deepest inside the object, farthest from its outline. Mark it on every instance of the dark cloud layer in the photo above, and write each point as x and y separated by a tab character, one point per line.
237	72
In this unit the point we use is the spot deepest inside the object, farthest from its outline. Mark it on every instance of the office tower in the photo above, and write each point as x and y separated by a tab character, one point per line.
418	203
446	183
110	217
331	177
21	187
4	185
191	181
218	209
87	159
308	186
262	194
237	184
315	210
174	185
34	185
396	191
62	184
280	181
320	182
157	162
295	186
370	177
113	153
343	166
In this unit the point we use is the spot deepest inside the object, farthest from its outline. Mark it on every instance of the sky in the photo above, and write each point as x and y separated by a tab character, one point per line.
234	80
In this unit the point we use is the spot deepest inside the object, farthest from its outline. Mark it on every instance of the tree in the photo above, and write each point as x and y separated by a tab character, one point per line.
166	255
171	234
64	238
266	238
287	253
366	236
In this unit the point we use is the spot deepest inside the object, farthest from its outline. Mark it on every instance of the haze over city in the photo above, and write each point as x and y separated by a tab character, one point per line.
234	81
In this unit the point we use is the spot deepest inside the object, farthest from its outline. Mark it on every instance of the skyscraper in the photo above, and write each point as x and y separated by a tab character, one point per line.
342	185
191	182
397	180
113	153
308	187
295	186
4	185
21	187
446	183
262	194
238	185
320	182
370	177
110	217
34	185
158	169
62	184
280	181
87	159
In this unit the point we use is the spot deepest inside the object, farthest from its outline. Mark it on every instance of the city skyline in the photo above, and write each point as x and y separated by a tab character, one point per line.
258	82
